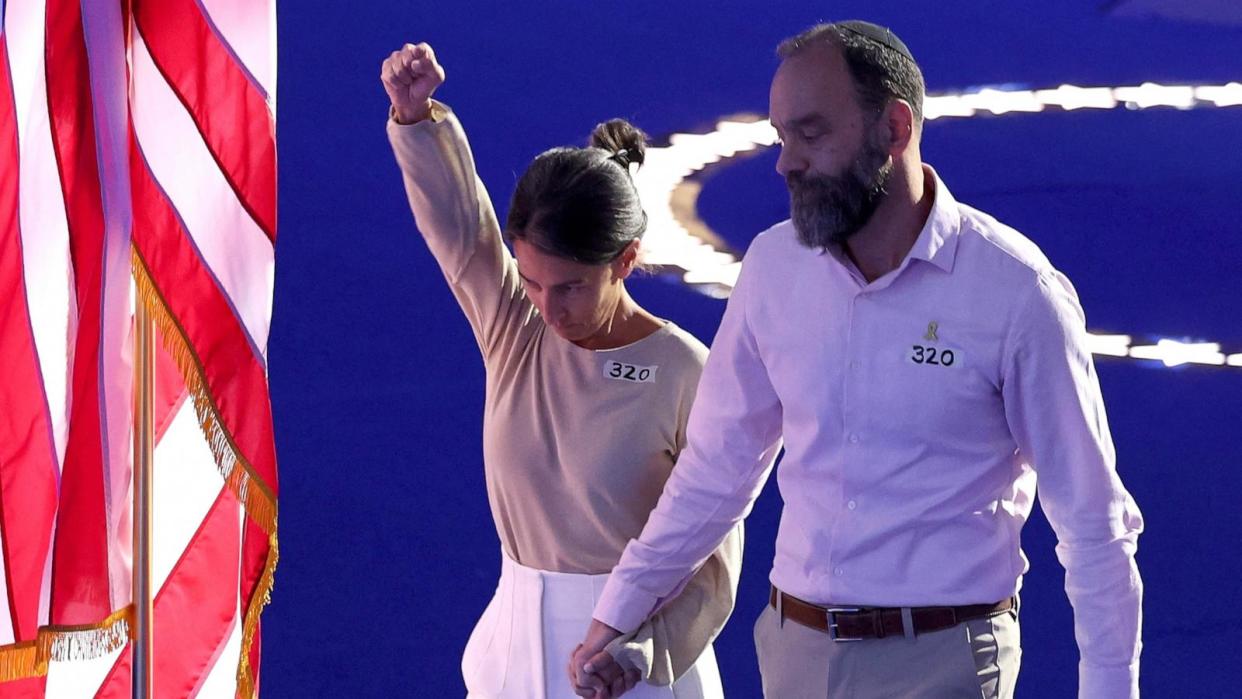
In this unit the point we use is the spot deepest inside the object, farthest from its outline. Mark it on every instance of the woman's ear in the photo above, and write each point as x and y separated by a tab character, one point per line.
627	261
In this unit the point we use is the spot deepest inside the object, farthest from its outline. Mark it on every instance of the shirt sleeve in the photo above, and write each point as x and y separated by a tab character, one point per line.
669	643
455	216
1056	414
733	436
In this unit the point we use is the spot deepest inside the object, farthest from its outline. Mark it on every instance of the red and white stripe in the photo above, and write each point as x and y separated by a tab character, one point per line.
29	464
174	152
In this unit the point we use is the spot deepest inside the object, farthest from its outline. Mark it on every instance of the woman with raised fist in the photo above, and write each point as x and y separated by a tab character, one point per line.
586	401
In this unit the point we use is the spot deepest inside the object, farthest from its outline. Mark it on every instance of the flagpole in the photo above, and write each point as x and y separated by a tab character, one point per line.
144	458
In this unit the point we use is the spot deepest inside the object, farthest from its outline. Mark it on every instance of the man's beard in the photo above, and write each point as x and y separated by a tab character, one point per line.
829	209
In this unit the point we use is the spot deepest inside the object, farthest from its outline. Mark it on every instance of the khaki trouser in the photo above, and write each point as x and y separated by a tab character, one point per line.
974	659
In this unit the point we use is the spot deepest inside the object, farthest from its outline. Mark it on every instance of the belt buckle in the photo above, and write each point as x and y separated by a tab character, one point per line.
832	613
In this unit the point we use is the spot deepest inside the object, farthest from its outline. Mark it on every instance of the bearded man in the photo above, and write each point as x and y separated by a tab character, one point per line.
923	364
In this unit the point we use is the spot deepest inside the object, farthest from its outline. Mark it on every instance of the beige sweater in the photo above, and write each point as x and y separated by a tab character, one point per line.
577	444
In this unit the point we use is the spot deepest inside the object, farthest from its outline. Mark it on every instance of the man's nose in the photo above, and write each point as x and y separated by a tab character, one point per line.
789	161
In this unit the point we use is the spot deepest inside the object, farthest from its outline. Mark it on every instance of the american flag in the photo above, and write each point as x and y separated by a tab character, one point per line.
137	166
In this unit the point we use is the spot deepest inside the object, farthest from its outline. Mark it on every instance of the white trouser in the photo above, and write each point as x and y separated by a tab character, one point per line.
520	647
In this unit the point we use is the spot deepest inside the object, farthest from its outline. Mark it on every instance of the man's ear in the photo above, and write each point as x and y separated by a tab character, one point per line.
897	121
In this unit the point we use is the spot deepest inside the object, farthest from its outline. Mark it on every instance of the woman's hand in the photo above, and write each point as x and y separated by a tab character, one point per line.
592	670
410	76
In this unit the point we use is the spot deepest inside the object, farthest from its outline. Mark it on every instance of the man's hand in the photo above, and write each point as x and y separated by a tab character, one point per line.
593	672
410	76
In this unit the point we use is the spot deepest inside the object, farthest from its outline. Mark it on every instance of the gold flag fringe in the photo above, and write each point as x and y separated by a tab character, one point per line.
250	489
62	643
21	660
256	497
262	596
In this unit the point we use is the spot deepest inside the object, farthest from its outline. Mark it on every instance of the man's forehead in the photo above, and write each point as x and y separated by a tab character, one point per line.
820	66
798	120
808	90
817	55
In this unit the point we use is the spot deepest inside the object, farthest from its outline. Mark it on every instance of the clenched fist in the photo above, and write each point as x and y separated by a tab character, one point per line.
410	75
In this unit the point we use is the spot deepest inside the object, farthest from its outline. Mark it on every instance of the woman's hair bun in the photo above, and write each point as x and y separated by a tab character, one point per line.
626	142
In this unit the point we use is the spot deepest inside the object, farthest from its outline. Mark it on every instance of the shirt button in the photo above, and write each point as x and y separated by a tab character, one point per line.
852	505
853	439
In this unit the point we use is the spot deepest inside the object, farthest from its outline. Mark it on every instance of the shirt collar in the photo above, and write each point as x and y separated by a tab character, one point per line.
937	242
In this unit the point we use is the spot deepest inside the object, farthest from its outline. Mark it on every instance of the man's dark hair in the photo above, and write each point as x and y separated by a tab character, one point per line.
580	203
879	63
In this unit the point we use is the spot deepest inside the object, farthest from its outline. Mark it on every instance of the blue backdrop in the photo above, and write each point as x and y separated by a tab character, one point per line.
388	550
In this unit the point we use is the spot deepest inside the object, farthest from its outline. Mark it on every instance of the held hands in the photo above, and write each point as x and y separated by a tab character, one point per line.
410	76
593	672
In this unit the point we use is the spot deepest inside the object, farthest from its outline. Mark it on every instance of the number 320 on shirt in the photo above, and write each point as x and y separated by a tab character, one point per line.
934	356
619	371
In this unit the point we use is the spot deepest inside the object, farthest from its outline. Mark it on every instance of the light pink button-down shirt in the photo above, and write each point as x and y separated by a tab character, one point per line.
916	412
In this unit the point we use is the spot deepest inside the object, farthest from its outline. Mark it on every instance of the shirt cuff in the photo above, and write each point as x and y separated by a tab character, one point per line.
439	112
1115	682
623	606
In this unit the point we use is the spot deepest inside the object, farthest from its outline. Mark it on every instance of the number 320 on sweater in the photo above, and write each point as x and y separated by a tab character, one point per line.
619	371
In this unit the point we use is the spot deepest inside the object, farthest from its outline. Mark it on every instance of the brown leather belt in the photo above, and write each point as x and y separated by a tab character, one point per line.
857	623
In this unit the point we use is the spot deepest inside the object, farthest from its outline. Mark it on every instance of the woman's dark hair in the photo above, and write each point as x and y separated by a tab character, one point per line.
581	203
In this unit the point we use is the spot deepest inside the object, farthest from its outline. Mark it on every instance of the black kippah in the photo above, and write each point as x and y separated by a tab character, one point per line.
876	33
